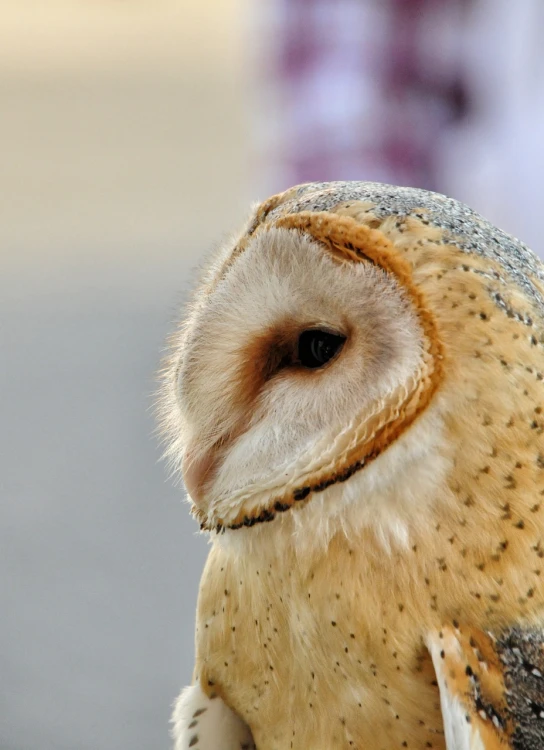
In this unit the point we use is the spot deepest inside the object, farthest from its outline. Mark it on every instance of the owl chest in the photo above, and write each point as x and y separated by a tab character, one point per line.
306	666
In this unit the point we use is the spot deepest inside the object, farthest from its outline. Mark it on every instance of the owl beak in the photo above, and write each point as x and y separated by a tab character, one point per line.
197	470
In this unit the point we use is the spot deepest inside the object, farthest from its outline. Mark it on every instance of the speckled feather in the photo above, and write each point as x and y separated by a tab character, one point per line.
318	619
496	683
460	226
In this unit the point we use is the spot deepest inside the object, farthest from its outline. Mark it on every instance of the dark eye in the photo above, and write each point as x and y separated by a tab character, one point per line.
316	347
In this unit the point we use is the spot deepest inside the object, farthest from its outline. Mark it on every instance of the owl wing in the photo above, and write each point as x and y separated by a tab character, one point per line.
203	721
491	687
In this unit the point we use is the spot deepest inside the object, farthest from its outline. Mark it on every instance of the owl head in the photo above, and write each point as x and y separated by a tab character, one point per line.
339	349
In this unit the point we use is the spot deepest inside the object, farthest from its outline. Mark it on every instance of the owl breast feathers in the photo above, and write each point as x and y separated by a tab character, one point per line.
355	399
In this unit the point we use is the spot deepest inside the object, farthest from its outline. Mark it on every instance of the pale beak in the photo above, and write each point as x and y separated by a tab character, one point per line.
197	470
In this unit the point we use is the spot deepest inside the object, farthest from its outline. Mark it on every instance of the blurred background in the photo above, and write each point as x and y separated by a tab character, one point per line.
134	134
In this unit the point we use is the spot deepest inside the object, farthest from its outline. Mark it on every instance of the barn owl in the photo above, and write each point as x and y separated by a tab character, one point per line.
355	401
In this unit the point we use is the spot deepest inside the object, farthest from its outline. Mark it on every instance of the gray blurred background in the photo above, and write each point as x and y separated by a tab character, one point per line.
133	135
123	159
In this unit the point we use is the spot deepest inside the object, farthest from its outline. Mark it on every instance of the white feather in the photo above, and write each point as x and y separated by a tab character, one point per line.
376	497
203	723
460	734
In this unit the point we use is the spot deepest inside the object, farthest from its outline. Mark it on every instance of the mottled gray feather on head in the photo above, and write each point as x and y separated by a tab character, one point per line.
462	226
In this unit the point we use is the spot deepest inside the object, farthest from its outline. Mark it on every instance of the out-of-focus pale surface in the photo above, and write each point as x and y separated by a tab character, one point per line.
124	157
77	35
122	123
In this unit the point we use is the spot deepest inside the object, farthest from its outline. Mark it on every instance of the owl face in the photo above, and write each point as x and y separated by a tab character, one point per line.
298	354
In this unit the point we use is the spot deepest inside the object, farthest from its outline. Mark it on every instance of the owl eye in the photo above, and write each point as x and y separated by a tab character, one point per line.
317	347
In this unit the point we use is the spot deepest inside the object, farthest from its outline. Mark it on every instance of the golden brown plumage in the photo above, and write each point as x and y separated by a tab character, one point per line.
407	506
